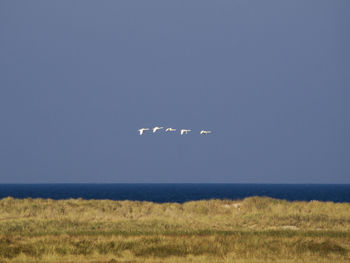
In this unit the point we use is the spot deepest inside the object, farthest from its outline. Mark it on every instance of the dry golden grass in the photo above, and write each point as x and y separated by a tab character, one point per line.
250	230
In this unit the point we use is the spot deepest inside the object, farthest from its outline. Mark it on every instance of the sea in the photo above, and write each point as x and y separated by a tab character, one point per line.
162	193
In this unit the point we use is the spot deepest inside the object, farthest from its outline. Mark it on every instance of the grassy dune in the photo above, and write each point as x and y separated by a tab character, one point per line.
250	230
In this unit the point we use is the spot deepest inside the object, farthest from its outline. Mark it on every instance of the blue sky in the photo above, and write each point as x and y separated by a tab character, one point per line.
270	78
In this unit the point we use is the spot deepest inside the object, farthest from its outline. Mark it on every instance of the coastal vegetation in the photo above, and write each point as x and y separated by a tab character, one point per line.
255	229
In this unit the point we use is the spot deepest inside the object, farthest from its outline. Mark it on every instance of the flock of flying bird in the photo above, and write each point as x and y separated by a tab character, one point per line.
182	131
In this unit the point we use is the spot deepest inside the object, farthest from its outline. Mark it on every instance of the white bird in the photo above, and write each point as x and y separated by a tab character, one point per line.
184	131
205	132
141	131
156	129
170	129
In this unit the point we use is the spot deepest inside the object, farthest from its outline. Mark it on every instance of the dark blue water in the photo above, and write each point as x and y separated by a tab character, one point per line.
177	192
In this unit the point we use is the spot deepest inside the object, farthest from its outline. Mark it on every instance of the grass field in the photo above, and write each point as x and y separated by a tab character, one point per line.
250	230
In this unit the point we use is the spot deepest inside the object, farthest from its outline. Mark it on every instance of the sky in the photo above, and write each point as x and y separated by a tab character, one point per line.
271	79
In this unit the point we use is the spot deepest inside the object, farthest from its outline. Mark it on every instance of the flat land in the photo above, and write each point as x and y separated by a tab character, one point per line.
251	230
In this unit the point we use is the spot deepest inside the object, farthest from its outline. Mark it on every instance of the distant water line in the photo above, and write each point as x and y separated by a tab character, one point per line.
161	193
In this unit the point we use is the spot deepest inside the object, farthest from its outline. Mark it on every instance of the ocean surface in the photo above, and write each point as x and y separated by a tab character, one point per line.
178	192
